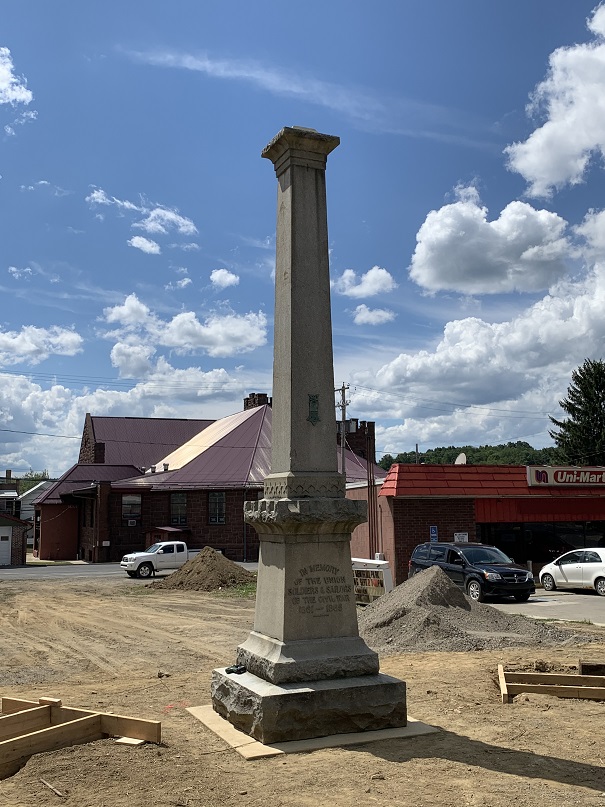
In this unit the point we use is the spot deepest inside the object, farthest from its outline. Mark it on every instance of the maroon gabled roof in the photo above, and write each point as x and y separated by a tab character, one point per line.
81	474
14	518
240	456
143	441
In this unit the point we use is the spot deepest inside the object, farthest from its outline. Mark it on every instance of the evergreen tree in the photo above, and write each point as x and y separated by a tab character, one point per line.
580	438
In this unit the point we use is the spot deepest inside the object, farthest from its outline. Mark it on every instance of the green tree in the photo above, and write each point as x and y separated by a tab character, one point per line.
31	479
386	461
580	438
519	453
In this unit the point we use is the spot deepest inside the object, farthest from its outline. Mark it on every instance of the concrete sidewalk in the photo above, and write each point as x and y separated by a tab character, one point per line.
30	560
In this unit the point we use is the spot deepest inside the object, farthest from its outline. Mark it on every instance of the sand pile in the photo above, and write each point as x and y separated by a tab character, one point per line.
430	612
206	571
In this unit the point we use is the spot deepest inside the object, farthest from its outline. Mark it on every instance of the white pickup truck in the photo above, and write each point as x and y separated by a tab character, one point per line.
162	556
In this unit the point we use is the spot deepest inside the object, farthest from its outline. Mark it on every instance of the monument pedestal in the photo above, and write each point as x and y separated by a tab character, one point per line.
274	713
307	659
308	672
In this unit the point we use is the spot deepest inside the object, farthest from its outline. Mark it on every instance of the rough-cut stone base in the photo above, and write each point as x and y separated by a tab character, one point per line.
273	714
306	660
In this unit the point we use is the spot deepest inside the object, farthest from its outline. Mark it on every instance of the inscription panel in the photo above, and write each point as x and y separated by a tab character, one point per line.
319	590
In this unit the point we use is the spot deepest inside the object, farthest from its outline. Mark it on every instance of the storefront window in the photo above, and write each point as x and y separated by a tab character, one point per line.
595	533
542	542
570	534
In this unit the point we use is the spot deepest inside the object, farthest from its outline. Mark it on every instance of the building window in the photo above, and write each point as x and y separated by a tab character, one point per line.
131	507
216	507
178	508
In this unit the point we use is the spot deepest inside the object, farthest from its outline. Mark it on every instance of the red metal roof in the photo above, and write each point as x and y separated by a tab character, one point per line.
143	441
471	481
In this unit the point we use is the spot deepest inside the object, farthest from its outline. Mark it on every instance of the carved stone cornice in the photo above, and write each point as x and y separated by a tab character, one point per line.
320	516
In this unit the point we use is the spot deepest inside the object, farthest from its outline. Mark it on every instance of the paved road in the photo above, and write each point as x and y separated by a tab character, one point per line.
75	571
581	607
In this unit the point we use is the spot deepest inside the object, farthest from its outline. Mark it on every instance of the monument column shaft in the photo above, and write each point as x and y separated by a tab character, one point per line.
303	459
303	364
305	622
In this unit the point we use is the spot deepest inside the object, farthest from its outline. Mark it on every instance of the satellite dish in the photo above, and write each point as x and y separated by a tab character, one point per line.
460	459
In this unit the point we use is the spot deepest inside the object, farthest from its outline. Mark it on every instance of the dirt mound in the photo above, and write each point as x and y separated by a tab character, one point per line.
206	571
429	612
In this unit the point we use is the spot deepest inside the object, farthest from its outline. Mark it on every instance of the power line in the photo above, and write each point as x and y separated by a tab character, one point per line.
126	383
440	405
44	434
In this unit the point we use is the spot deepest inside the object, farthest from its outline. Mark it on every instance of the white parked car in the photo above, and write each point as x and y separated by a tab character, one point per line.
582	568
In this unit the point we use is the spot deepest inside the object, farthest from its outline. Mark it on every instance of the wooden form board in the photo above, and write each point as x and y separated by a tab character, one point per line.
591	687
31	727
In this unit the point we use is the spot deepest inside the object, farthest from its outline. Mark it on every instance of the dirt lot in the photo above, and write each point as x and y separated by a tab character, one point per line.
101	646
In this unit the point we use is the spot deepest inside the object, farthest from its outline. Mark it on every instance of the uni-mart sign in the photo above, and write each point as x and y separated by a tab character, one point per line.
552	475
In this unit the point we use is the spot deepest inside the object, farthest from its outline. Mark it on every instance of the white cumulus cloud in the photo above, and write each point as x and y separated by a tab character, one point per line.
132	360
144	244
372	316
375	281
163	219
179	284
219	334
459	249
156	220
33	345
163	391
13	88
499	380
592	229
572	99
222	278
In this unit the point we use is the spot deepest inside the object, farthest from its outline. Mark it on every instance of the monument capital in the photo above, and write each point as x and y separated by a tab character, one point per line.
289	518
295	145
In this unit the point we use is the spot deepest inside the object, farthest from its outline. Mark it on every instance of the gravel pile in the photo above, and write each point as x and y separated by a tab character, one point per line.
206	571
430	612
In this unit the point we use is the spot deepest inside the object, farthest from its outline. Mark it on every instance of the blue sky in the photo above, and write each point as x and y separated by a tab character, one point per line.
137	234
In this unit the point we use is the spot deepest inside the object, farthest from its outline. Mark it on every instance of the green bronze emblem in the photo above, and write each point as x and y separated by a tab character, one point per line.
313	409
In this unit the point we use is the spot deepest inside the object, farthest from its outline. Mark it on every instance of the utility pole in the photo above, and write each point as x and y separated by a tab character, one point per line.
343	422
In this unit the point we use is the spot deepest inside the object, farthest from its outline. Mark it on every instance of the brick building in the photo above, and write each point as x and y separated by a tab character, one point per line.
533	514
13	541
100	511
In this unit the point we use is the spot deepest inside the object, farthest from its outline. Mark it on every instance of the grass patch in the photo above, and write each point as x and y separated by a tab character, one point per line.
243	590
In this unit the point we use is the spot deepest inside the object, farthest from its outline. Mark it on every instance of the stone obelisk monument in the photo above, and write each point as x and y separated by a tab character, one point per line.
307	671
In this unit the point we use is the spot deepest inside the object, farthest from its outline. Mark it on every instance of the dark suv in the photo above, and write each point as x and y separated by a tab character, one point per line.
478	569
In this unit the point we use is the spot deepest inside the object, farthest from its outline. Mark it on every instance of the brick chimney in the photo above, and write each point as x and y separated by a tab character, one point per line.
257	399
